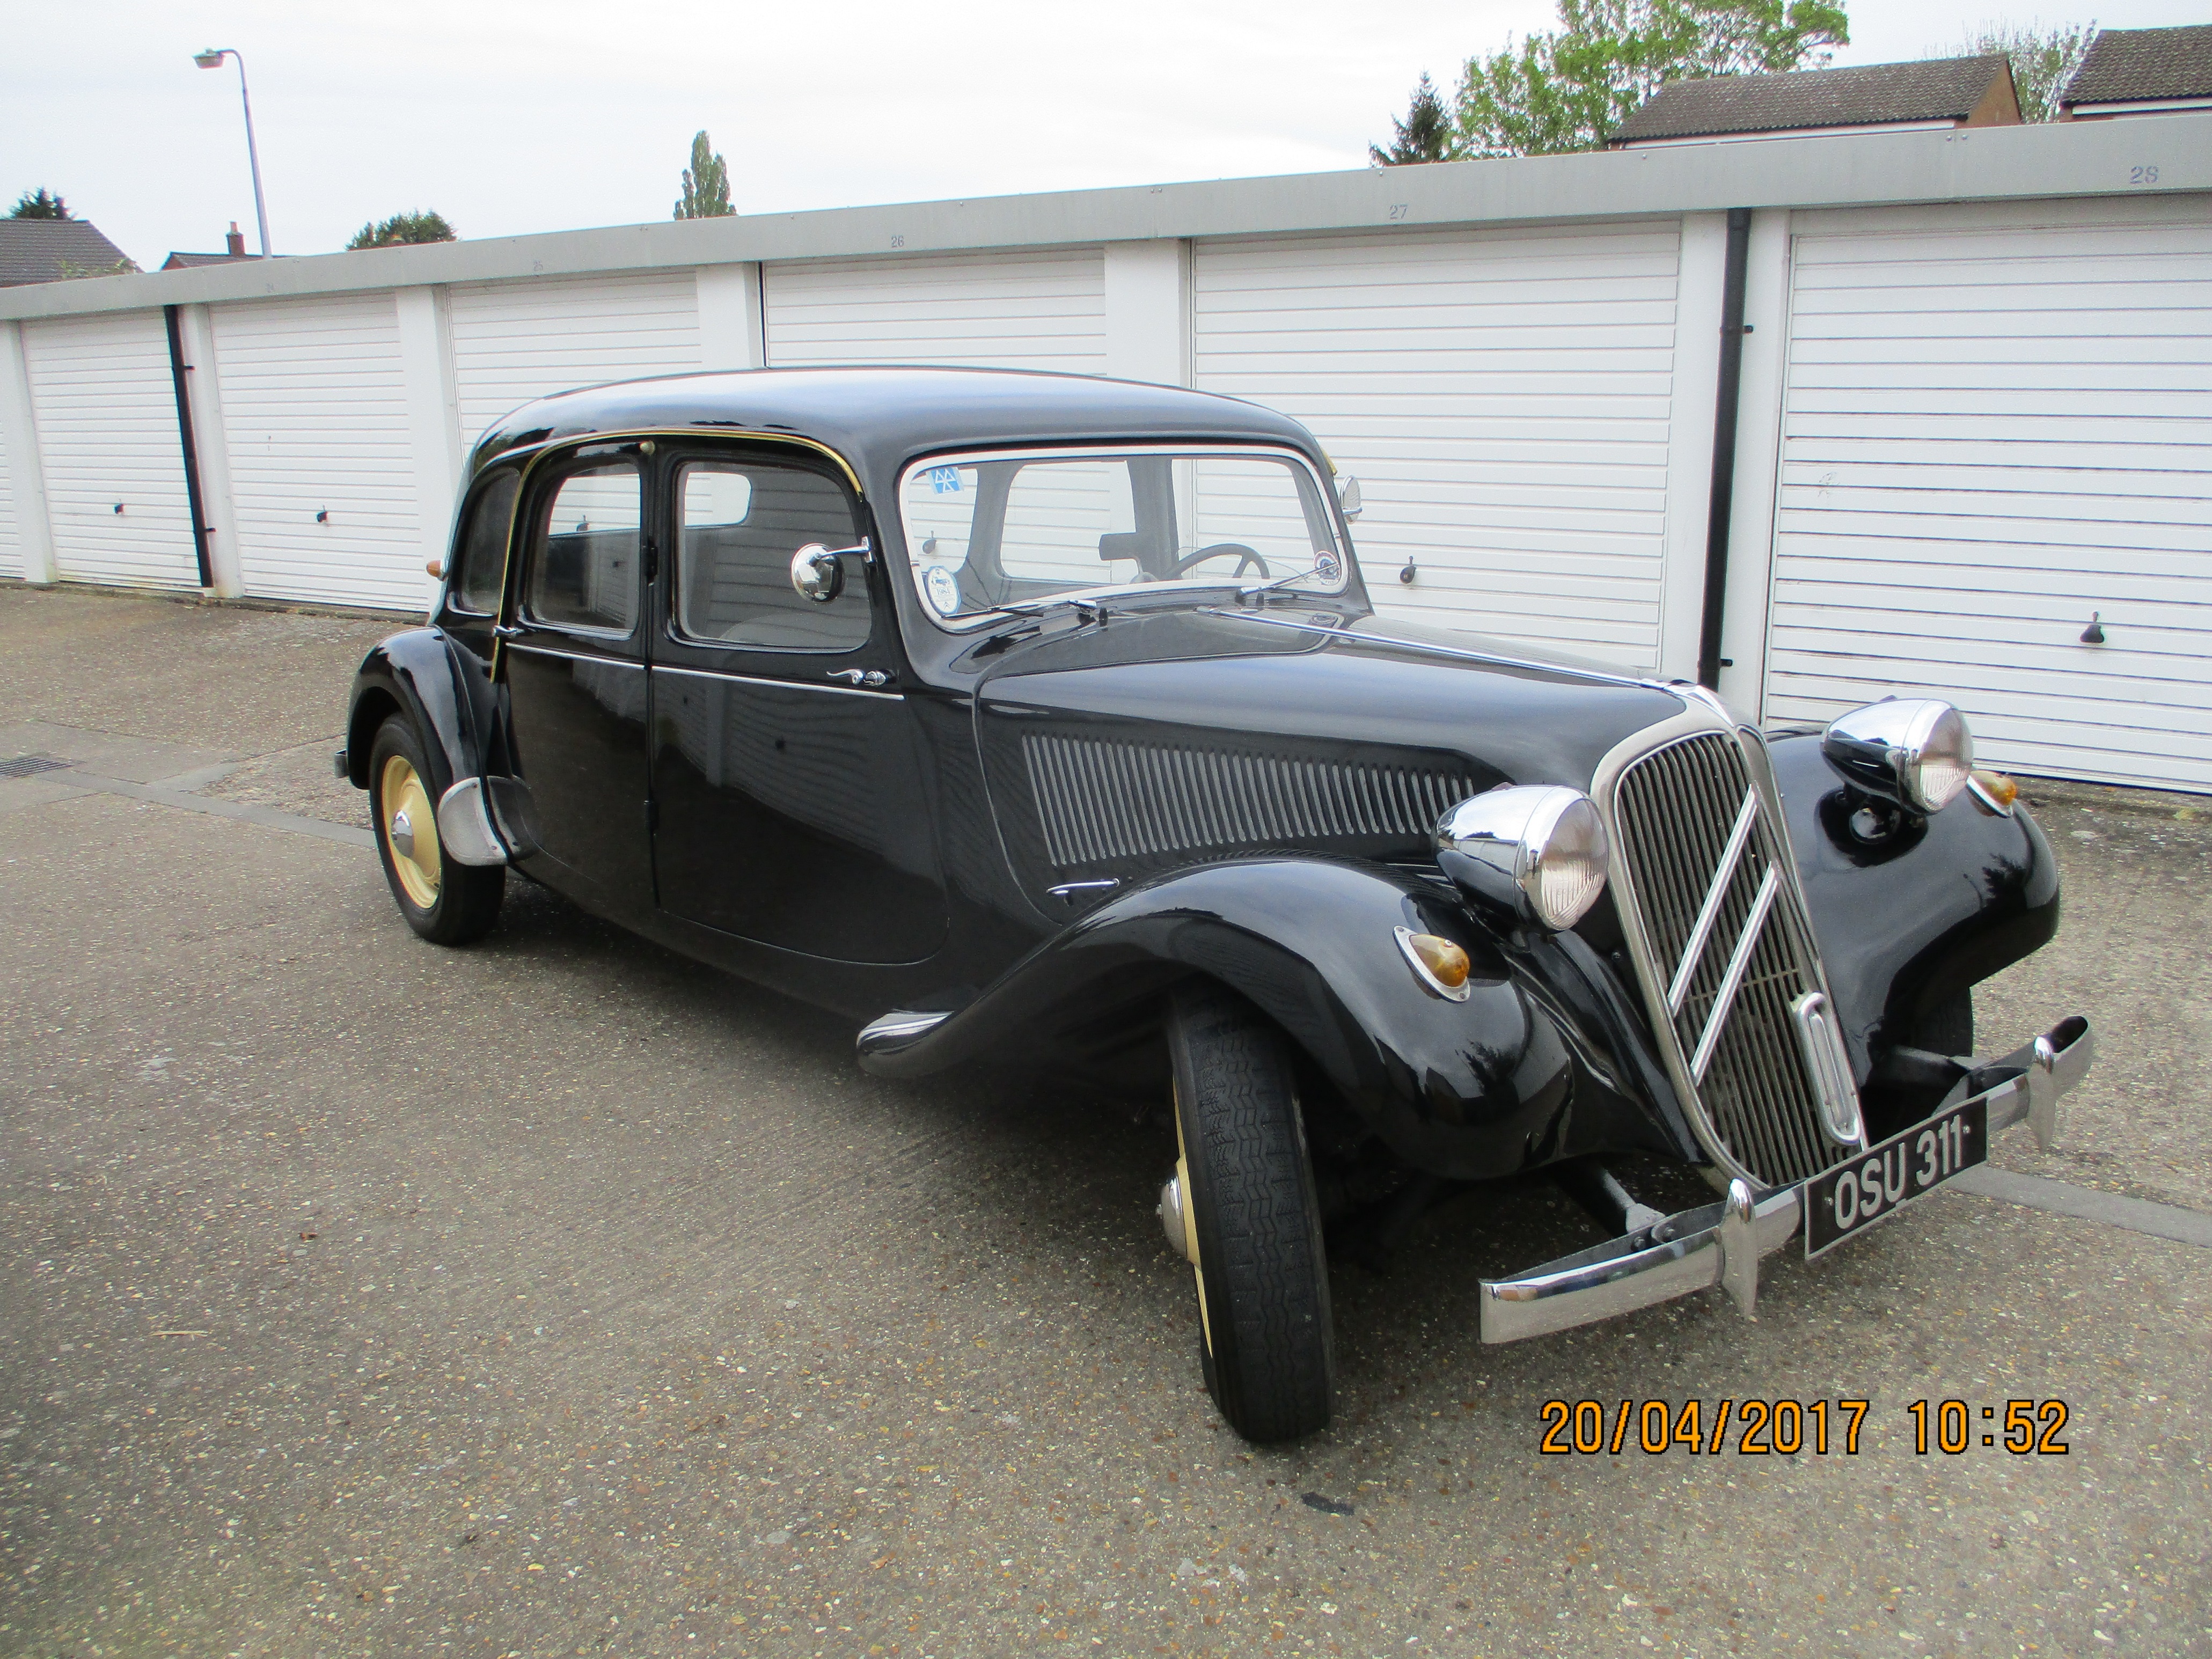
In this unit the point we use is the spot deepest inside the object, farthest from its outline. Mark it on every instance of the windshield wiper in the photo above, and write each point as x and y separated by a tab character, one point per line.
1091	606
1273	583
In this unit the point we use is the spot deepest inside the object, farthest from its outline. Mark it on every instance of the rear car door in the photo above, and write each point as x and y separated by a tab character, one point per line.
789	805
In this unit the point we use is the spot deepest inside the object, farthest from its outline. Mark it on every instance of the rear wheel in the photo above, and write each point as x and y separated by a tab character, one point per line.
445	902
1252	1219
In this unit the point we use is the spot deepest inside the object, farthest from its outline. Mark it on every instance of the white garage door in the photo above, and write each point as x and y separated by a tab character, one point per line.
516	341
113	455
1990	438
322	475
11	538
1502	397
1028	310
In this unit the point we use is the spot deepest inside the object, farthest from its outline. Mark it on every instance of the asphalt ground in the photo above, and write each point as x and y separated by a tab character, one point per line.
558	1296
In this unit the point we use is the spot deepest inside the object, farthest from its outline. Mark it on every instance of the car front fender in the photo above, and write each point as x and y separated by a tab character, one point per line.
1907	922
438	684
1508	1079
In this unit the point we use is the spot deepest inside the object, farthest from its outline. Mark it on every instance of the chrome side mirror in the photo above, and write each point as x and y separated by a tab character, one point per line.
1347	493
817	573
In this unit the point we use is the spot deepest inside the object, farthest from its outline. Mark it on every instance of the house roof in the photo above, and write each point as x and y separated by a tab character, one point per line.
1880	94
188	261
2126	66
37	249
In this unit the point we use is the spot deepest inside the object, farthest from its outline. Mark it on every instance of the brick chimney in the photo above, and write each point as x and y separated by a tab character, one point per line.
236	248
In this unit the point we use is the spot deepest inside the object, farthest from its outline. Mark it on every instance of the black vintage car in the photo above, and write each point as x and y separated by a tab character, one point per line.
1024	714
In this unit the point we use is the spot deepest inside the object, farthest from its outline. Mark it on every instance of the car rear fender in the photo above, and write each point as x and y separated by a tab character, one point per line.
1507	1078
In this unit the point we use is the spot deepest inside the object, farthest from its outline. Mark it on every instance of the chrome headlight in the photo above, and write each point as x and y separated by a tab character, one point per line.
1917	753
1539	849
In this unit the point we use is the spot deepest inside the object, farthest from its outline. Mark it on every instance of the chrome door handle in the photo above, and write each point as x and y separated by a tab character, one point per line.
502	631
868	676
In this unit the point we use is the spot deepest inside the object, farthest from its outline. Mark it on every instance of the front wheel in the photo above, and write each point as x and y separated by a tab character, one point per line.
445	902
1252	1219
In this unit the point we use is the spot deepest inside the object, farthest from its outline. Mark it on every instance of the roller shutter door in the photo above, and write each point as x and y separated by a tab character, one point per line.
11	537
106	412
1989	437
1502	397
1029	310
322	477
516	341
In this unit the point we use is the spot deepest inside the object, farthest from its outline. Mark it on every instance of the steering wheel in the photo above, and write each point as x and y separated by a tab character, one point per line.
1221	550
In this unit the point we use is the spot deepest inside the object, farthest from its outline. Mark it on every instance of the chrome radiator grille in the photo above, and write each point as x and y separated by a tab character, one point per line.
1731	949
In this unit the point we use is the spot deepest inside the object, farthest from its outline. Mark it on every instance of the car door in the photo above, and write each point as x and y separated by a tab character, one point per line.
573	675
788	798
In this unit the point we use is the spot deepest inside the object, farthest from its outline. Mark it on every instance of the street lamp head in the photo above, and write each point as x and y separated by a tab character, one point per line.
211	59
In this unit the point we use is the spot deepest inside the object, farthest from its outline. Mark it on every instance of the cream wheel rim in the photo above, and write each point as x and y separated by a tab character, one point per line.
1190	1218
410	832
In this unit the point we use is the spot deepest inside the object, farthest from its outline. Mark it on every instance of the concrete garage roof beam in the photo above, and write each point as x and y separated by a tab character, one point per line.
1854	170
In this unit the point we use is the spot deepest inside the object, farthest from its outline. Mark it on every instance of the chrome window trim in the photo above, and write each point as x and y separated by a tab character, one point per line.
959	628
1706	715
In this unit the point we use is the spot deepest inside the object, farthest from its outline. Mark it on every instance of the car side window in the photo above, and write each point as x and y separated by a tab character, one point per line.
584	550
482	545
741	522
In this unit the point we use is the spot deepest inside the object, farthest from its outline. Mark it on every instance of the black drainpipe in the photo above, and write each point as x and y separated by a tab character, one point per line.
178	369
1709	662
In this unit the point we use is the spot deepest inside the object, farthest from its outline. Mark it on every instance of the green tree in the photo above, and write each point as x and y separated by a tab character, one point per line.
706	184
2043	60
402	229
1568	89
1426	134
42	203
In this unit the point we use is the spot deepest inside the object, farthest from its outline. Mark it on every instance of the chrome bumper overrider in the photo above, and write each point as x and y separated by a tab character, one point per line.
1721	1244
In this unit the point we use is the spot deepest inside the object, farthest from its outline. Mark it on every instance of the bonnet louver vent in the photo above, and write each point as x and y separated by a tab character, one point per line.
1100	802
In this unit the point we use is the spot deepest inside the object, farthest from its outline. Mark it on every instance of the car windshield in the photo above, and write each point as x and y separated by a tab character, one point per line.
986	531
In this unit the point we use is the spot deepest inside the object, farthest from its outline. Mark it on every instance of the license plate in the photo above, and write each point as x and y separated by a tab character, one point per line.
1882	1180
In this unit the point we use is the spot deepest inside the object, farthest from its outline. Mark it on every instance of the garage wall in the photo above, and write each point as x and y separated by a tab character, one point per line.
1026	310
107	411
314	414
1993	432
1503	397
515	341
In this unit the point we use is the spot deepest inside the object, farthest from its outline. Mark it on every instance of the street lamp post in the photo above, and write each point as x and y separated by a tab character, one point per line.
212	58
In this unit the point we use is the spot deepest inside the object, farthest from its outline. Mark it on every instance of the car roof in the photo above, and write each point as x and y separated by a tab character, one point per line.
880	418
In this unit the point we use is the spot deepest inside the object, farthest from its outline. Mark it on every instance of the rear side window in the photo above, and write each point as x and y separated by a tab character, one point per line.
476	586
741	523
584	554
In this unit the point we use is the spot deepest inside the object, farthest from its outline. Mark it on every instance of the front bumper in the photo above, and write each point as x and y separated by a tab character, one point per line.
1721	1244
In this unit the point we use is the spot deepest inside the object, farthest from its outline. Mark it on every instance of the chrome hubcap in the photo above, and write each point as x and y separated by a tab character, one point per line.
402	834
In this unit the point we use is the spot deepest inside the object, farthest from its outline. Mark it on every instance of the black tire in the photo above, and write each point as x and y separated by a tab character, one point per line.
1266	1337
445	902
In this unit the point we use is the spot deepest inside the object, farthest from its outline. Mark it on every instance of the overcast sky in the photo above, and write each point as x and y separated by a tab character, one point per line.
510	117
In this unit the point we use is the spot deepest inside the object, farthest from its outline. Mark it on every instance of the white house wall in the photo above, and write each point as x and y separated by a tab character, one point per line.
1995	431
1035	309
515	341
106	408
1504	398
322	473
